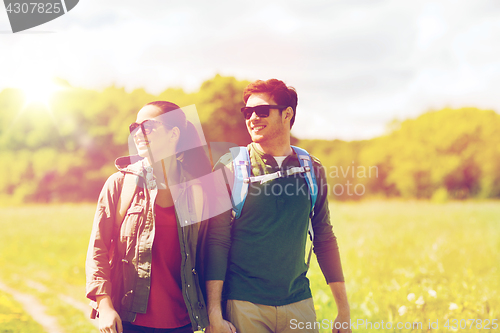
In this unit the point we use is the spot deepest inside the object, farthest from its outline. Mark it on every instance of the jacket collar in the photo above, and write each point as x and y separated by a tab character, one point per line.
133	164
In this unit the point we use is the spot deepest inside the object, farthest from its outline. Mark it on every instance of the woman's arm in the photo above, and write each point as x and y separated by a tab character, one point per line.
109	319
97	266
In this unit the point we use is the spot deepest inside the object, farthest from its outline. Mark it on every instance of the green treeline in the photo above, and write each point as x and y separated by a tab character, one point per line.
66	152
445	154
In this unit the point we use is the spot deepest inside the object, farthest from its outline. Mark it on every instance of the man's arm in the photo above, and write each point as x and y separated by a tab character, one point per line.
327	251
219	243
344	313
217	323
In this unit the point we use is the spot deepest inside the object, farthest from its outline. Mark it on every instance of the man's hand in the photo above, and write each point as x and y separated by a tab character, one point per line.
342	321
220	326
217	323
109	320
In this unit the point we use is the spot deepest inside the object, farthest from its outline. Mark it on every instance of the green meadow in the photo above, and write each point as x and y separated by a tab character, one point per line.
405	262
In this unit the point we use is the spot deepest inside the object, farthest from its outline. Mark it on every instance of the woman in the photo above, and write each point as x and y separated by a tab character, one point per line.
142	266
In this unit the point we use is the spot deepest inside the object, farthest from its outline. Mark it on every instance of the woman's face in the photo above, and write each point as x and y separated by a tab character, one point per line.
154	142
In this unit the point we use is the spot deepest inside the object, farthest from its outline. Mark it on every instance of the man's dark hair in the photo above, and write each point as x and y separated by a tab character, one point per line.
278	91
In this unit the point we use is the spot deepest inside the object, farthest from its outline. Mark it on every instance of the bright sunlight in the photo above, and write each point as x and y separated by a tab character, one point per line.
39	91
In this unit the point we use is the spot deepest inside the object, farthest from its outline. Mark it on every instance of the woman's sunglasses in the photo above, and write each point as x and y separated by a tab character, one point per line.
261	111
147	126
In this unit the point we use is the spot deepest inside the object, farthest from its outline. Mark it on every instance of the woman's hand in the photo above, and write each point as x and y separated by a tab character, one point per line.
109	320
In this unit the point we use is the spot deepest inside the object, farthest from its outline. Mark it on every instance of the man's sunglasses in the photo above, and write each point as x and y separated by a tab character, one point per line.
147	126
261	111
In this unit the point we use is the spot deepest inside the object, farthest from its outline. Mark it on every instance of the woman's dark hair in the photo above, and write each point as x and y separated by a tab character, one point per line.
189	148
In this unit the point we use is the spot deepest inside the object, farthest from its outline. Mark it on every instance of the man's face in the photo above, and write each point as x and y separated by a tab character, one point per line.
264	129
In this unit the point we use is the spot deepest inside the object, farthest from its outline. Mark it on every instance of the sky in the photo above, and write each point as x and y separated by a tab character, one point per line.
357	64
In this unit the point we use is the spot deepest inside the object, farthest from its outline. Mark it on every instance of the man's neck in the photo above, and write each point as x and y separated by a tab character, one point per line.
274	149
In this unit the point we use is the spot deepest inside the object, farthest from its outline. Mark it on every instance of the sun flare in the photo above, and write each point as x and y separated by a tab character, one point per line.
39	91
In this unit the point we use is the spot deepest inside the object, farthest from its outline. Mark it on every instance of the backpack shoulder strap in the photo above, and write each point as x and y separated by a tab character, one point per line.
306	162
126	196
242	178
242	171
124	201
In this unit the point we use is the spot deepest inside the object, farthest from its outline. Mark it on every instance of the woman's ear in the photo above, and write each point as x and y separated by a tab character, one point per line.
175	134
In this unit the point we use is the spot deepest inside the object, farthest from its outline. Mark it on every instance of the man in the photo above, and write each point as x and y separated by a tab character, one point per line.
259	257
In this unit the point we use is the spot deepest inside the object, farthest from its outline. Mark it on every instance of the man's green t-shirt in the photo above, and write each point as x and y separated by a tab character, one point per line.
261	255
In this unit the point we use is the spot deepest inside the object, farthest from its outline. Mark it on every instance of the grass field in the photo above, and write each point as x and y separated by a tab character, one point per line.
407	262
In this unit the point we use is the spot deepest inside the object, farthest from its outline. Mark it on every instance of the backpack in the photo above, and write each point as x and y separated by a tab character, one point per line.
242	179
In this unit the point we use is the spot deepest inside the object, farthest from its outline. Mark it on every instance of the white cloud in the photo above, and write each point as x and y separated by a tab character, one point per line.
356	64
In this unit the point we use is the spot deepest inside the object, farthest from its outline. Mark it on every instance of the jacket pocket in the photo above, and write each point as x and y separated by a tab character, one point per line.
131	221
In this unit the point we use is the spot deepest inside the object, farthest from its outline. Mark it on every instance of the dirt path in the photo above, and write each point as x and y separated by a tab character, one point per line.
83	307
35	309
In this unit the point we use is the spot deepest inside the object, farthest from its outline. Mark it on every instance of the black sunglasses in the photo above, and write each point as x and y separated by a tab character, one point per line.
147	126
261	111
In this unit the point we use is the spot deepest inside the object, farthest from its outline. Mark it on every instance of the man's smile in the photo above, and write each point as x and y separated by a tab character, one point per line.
257	128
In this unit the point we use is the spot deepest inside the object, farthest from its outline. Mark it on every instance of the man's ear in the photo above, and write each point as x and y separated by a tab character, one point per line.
288	113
